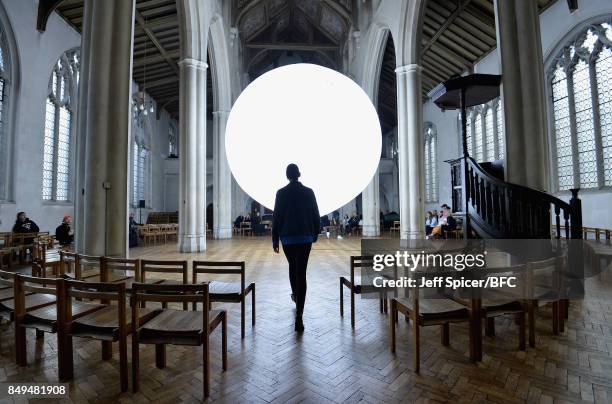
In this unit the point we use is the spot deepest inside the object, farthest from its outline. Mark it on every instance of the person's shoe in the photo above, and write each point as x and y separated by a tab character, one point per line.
293	297
299	324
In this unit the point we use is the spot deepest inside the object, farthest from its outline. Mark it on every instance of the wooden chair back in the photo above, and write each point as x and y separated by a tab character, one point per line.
69	261
358	262
164	267
19	239
89	266
103	291
219	268
109	266
7	279
25	284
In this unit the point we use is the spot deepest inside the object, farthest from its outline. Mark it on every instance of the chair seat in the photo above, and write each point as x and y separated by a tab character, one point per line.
32	302
544	293
103	324
177	327
45	318
492	308
436	311
224	290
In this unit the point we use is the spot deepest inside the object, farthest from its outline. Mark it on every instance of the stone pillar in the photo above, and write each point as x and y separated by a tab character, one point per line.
222	180
104	127
192	145
410	152
370	207
520	49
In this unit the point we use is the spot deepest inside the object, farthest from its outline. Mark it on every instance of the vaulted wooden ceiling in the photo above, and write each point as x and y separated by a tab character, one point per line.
456	35
156	47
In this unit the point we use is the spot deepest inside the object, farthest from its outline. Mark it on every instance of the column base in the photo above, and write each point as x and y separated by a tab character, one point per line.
192	244
371	231
222	233
412	235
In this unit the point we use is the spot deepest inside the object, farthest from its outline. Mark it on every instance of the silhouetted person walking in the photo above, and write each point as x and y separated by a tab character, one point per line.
296	224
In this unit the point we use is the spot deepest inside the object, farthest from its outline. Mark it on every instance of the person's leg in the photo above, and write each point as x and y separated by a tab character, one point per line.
301	266
290	253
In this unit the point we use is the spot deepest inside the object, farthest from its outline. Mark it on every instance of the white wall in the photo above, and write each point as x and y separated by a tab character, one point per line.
556	22
37	53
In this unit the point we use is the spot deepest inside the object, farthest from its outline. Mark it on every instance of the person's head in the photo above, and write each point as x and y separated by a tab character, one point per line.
445	210
131	215
21	217
429	215
67	219
293	172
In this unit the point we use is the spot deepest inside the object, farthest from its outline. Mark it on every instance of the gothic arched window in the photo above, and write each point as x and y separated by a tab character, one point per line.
485	131
431	169
5	93
63	85
580	82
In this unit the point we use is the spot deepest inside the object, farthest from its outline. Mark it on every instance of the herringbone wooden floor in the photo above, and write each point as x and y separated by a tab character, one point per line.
333	363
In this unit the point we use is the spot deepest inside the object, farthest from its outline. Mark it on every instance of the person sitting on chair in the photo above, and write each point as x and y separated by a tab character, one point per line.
63	232
447	222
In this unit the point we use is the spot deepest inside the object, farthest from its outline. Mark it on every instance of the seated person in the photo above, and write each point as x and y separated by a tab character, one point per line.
238	220
431	221
23	224
447	222
63	232
133	232
258	228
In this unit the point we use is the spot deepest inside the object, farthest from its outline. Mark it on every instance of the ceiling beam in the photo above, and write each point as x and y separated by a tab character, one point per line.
161	82
45	8
290	46
141	21
462	4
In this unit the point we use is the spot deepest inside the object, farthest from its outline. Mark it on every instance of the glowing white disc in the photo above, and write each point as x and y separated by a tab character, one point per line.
309	115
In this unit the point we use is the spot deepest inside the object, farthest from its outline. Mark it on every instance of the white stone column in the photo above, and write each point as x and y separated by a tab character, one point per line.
370	207
104	127
520	49
410	152
192	145
222	180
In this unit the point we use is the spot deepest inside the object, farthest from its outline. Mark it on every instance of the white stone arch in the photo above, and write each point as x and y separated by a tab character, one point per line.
408	47
219	64
375	51
12	91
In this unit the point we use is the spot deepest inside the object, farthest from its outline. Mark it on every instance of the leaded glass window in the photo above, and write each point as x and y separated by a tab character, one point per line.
582	110
5	80
63	85
485	132
431	170
139	169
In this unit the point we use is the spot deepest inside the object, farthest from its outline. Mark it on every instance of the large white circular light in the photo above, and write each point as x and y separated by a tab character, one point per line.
309	115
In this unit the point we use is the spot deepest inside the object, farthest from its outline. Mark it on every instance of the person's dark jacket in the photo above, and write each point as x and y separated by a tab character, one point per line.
295	212
27	226
62	234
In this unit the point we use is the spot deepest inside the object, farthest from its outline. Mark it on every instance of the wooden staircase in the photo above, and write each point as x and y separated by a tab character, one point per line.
493	208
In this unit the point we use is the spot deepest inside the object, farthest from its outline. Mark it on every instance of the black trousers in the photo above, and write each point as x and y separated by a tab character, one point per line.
297	256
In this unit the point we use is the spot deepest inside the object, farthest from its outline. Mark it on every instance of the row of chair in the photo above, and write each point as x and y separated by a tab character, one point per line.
539	282
158	233
15	246
100	311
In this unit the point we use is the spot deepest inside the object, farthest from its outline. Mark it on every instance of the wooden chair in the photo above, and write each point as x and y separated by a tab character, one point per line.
7	302
544	286
426	312
49	259
112	323
165	267
355	287
87	267
50	318
175	327
395	227
149	232
120	270
224	291
245	228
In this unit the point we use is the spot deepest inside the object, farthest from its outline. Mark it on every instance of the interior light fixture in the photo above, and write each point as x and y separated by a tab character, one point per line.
309	115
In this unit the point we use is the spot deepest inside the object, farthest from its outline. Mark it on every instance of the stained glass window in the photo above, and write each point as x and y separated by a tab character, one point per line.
582	110
63	85
478	137
431	171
